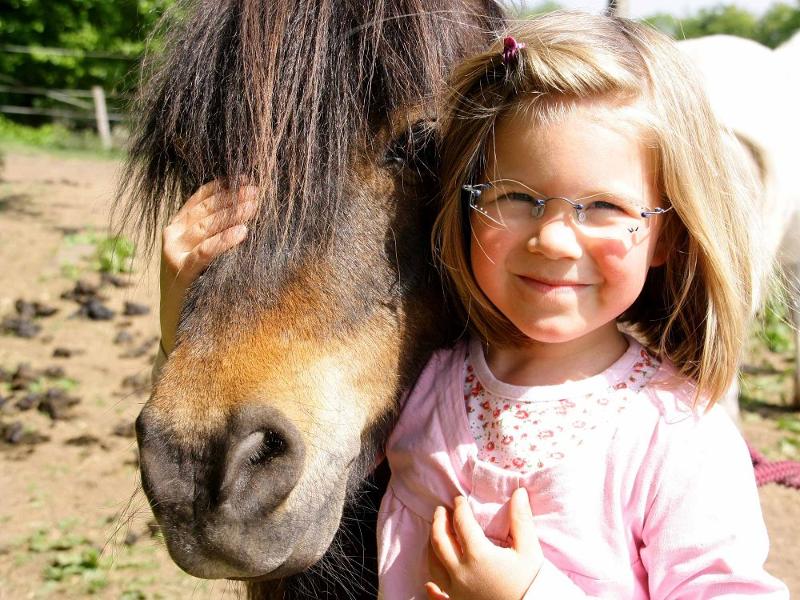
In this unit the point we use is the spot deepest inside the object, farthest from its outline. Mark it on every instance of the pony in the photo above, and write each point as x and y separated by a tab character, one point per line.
258	440
755	92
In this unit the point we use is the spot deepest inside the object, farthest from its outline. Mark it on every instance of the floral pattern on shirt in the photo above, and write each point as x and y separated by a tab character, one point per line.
525	435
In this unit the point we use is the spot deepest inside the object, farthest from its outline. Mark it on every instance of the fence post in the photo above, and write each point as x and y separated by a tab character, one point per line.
618	8
101	114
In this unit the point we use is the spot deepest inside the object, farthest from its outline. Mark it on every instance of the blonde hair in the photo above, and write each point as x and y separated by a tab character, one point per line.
695	309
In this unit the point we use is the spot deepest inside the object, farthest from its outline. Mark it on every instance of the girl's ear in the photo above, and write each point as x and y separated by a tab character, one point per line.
663	245
660	255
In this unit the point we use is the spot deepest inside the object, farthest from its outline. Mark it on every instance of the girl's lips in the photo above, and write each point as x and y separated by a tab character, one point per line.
552	286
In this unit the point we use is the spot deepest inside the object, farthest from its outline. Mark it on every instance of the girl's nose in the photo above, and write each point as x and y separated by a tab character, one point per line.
556	238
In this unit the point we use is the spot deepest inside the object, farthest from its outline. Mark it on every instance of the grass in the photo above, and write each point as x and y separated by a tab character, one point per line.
112	254
53	137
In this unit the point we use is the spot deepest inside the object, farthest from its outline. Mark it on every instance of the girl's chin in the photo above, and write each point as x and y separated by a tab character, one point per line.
563	333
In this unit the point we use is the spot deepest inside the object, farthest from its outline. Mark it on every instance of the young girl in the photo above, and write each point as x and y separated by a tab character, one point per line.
596	238
553	454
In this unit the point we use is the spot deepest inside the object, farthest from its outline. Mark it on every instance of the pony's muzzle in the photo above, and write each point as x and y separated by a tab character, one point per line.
205	501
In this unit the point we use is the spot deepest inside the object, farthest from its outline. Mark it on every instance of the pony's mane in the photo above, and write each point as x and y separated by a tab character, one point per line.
279	94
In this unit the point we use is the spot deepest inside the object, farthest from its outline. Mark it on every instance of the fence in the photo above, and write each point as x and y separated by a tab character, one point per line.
90	104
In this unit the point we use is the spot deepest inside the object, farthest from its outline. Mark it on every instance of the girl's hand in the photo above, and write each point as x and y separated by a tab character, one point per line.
211	222
465	565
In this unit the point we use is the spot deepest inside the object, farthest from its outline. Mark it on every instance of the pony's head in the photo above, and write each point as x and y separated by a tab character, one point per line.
294	349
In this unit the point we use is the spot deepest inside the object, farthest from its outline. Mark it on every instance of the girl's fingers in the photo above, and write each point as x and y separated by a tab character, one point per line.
443	540
438	574
467	528
523	531
435	592
214	223
204	192
219	201
201	256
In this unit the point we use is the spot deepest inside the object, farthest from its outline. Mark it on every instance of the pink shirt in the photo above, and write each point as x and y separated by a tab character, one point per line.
661	503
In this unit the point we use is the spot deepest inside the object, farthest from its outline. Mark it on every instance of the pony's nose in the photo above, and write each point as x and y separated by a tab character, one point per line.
263	462
253	466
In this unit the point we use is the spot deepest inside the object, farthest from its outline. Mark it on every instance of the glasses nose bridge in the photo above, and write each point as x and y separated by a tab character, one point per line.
574	209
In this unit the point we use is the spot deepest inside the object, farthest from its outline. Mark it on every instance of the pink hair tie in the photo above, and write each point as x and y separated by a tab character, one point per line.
511	49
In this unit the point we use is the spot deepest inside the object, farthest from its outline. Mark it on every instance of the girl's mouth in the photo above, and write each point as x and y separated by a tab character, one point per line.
545	286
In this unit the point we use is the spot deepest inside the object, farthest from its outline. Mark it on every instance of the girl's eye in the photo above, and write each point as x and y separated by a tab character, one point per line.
517	196
605	205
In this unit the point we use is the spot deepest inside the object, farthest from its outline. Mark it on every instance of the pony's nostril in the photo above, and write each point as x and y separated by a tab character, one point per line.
271	446
263	462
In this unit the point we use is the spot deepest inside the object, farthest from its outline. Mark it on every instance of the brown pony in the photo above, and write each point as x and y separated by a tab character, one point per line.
294	350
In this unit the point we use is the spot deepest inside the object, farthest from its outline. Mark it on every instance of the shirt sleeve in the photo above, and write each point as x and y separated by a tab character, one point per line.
704	534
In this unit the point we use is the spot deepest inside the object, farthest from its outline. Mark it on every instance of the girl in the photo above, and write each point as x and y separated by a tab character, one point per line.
595	235
554	454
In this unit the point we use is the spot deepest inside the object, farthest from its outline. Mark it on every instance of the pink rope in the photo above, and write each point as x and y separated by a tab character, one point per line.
782	472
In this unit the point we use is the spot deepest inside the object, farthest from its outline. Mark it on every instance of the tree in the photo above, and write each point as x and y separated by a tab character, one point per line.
778	24
730	20
103	39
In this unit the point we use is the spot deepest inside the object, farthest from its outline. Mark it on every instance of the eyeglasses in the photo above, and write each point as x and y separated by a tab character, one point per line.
512	205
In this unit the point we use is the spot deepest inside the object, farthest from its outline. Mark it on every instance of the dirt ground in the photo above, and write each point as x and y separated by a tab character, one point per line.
73	523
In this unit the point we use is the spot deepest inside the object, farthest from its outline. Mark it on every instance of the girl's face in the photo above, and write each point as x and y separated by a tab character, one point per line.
549	278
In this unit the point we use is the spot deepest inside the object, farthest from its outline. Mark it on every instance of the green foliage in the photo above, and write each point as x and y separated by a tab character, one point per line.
105	39
775	329
730	20
72	557
115	255
53	136
520	10
776	26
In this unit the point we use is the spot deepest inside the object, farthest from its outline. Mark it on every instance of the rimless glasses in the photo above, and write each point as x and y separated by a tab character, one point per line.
512	205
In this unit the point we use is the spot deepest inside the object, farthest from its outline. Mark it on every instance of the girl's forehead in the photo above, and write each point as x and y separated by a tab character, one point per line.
588	148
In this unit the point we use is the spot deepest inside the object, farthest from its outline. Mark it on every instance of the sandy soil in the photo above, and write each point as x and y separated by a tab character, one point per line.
63	499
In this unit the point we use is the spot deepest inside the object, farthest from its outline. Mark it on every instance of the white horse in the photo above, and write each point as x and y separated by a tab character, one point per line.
755	93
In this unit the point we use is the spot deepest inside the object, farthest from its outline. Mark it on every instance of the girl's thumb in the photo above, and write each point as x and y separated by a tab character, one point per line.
522	528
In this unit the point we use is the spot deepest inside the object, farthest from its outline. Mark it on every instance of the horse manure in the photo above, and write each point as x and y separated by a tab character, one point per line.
130	538
86	440
139	383
133	309
82	292
96	311
123	337
29	401
23	376
20	327
61	352
56	404
16	434
30	310
115	280
125	429
54	372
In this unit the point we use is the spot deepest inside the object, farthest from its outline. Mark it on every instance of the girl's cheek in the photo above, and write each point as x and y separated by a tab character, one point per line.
622	265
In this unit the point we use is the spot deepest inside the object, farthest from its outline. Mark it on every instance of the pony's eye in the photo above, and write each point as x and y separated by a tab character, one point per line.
414	149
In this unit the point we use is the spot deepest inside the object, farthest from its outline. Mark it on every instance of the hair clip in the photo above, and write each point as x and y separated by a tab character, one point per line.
511	49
